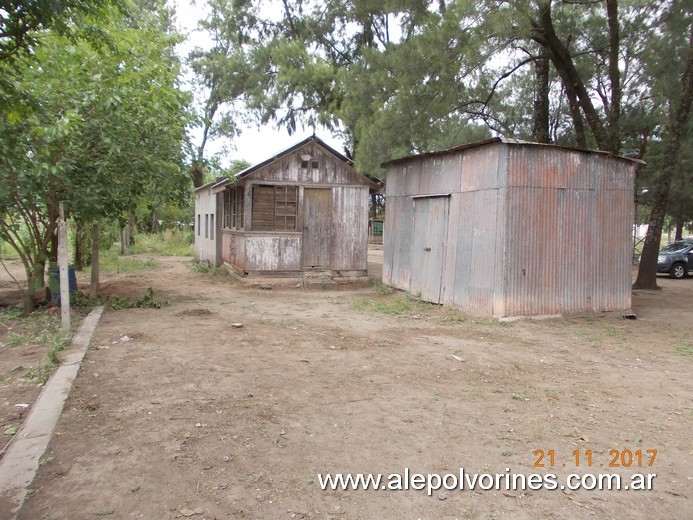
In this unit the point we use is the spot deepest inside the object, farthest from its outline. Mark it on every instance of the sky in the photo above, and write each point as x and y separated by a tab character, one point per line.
256	143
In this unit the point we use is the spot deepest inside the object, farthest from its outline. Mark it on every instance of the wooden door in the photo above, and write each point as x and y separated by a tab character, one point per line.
317	228
429	246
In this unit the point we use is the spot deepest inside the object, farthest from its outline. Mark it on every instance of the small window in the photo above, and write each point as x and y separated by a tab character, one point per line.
316	165
206	225
275	208
211	226
304	165
234	201
199	227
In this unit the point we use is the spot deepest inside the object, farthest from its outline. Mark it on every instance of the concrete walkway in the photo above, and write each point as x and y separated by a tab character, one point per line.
19	465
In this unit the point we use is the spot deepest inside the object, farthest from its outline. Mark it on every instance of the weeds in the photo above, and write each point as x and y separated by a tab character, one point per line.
82	300
171	242
39	328
110	262
685	349
382	289
205	268
146	302
394	306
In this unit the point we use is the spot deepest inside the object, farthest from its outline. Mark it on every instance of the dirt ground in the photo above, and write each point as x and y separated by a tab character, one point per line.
191	417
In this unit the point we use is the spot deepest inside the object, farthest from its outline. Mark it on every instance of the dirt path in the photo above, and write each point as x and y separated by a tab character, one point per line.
195	418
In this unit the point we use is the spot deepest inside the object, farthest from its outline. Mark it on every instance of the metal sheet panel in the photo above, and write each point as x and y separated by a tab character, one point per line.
397	240
476	259
547	167
429	246
568	233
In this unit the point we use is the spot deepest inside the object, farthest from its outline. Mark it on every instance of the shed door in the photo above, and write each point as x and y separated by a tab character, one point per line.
317	227
429	246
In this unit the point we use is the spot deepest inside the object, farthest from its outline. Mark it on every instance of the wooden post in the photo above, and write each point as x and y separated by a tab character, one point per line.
63	261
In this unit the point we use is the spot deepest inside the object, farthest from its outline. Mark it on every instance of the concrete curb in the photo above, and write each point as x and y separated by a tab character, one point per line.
18	466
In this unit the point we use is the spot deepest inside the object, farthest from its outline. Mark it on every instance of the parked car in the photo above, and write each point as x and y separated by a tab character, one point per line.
676	258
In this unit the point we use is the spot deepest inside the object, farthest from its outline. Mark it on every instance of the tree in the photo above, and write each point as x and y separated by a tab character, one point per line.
21	21
220	78
679	105
98	129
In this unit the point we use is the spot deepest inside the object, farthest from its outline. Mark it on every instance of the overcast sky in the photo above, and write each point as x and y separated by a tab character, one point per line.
255	144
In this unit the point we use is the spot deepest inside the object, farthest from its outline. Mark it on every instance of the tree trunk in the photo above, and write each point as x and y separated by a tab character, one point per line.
679	229
94	287
614	111
53	253
678	123
540	130
197	175
29	295
79	247
131	235
545	35
123	238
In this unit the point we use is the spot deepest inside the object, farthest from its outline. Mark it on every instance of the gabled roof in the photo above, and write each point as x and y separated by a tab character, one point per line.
310	139
506	140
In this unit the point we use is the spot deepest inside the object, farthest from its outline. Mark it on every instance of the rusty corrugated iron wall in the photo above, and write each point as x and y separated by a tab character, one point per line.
525	229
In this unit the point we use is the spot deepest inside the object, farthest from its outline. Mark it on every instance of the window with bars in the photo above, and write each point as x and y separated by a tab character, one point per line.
275	208
234	207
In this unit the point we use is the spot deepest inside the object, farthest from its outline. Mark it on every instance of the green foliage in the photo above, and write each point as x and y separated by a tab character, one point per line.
171	242
146	302
205	268
110	262
100	129
391	306
22	21
39	328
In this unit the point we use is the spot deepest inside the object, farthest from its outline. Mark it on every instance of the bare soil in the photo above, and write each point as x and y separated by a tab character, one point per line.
191	417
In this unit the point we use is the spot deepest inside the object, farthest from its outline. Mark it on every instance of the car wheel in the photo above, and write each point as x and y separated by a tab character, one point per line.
678	271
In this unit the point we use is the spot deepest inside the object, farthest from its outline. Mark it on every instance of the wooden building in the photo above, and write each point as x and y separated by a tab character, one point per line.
511	228
302	214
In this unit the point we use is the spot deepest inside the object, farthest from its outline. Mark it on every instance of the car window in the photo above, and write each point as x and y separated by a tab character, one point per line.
675	247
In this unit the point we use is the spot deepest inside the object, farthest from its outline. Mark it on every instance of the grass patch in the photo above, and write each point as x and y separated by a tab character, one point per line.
171	242
39	328
382	289
685	349
392	306
110	262
146	302
205	268
81	300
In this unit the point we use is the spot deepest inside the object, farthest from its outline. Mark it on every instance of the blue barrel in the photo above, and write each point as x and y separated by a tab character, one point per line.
54	281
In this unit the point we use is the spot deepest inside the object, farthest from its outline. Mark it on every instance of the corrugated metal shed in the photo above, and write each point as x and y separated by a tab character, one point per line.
511	228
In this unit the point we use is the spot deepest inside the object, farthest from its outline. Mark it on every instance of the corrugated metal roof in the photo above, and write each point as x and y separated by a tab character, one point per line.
506	140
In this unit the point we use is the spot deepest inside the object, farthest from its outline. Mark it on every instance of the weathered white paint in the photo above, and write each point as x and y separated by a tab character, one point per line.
208	207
